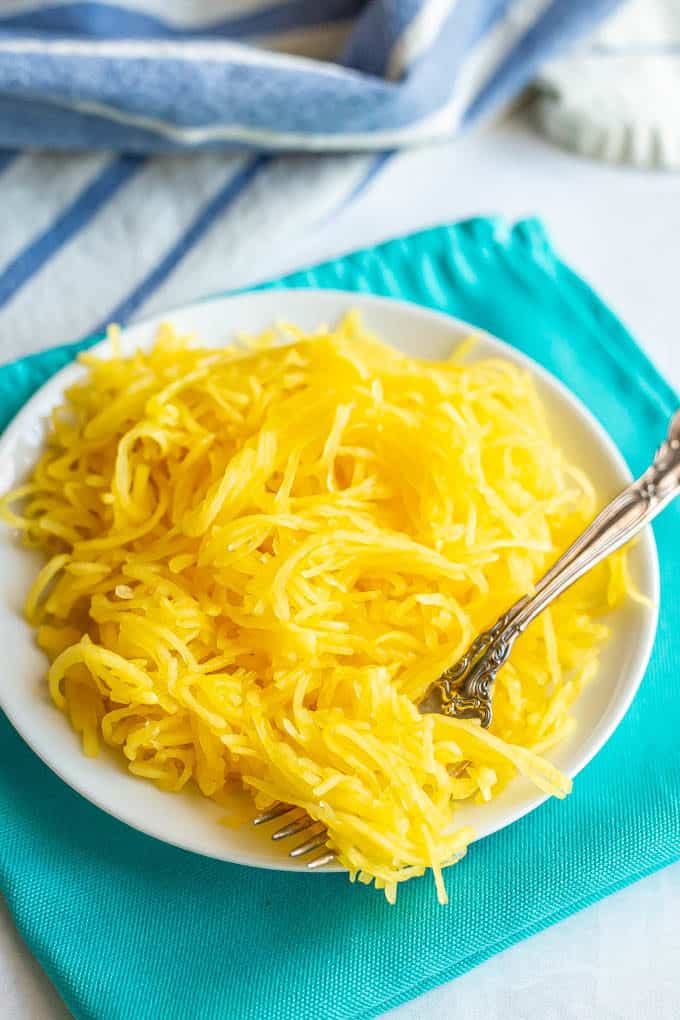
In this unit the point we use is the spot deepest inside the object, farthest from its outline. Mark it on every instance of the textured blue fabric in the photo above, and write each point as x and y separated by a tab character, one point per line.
185	74
71	220
130	928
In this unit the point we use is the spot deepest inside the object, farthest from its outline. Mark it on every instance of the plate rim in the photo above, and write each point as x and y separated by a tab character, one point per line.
616	710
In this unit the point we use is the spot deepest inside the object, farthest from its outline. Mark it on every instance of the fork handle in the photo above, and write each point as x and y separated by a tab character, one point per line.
464	690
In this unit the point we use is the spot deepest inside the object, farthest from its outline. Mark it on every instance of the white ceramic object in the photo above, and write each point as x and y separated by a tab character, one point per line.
189	820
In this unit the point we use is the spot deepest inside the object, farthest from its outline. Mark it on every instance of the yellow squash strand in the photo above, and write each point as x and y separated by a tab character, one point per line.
259	559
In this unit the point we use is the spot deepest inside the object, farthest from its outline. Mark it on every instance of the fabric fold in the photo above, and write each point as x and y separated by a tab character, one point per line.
194	75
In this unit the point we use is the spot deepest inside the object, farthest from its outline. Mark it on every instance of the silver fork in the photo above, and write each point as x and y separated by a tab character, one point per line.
464	690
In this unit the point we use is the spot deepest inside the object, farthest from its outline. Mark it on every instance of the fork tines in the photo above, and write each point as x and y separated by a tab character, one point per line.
315	832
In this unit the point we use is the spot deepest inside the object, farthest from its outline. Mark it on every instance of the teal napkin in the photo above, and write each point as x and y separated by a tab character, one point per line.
127	927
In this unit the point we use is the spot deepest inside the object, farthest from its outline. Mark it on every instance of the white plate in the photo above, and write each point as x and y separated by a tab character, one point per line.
188	820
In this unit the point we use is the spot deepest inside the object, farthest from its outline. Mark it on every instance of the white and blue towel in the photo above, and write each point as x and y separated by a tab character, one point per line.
197	99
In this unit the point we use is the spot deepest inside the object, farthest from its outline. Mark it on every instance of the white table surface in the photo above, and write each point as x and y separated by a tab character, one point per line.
620	229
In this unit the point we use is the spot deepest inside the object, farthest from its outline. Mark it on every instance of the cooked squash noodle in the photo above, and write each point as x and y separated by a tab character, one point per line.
258	559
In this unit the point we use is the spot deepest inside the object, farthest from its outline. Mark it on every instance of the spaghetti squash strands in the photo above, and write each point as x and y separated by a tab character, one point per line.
258	560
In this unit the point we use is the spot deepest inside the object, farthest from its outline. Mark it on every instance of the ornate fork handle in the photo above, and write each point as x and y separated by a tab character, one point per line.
464	689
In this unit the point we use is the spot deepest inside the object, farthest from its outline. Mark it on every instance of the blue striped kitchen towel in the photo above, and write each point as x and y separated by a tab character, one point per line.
321	75
100	235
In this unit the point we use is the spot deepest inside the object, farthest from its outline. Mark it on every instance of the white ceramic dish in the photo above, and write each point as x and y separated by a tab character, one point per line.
188	820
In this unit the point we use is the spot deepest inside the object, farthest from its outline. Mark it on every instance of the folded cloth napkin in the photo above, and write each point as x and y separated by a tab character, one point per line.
617	95
324	75
128	927
101	236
